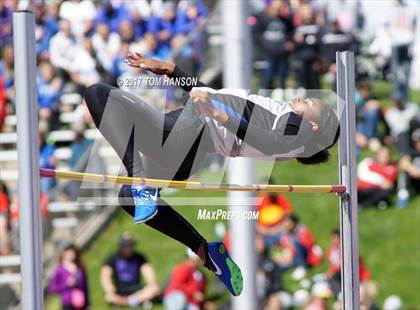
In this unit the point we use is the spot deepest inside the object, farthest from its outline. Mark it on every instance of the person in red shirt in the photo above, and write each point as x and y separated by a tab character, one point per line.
334	264
186	285
376	178
4	219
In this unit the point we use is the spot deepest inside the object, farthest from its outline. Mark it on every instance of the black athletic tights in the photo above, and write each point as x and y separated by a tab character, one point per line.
132	126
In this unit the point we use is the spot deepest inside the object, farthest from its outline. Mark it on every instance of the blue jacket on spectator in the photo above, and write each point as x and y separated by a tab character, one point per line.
45	154
47	94
50	28
157	24
184	24
112	16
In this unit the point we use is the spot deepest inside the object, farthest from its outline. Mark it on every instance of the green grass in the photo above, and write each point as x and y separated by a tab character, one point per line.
389	239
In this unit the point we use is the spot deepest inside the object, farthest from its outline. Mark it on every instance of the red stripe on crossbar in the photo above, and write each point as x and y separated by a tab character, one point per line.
47	173
338	189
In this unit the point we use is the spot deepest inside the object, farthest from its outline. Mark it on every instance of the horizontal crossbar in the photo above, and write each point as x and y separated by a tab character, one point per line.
101	178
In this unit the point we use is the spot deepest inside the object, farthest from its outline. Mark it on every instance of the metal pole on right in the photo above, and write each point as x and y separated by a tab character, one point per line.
347	165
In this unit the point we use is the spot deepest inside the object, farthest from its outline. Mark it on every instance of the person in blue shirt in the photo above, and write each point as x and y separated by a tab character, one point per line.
49	92
164	27
189	22
48	23
6	70
153	49
368	116
190	17
119	66
112	14
80	146
47	160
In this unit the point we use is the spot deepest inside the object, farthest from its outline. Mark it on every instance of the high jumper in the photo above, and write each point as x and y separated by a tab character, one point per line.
174	145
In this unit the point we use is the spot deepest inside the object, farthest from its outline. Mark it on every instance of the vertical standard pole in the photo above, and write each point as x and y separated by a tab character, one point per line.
28	162
237	74
347	166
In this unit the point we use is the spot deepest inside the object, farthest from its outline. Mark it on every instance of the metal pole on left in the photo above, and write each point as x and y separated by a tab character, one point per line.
28	161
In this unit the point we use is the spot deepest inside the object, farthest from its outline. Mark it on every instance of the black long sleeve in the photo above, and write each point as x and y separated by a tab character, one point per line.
178	73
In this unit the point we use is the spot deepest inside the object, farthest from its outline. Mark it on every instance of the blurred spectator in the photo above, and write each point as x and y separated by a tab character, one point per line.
380	48
79	147
49	93
51	24
272	211
106	45
274	33
121	273
140	11
333	40
63	47
119	67
334	265
297	242
410	161
69	280
84	69
5	23
113	13
367	116
126	31
190	16
47	160
306	59
164	27
402	29
398	120
6	71
376	179
4	219
80	14
3	104
187	285
269	276
152	48
185	56
46	18
316	303
368	294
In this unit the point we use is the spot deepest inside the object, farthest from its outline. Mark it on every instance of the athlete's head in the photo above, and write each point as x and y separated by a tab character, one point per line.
324	124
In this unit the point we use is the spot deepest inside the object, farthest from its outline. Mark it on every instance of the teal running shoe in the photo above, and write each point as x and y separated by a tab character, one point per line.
145	203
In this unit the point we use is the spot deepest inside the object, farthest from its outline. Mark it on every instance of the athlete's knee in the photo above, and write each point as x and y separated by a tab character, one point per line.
96	97
124	196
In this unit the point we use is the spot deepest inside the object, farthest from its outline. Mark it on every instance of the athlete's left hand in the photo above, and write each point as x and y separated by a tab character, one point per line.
202	100
142	62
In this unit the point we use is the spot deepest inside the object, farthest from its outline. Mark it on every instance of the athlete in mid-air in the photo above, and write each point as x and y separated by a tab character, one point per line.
174	145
